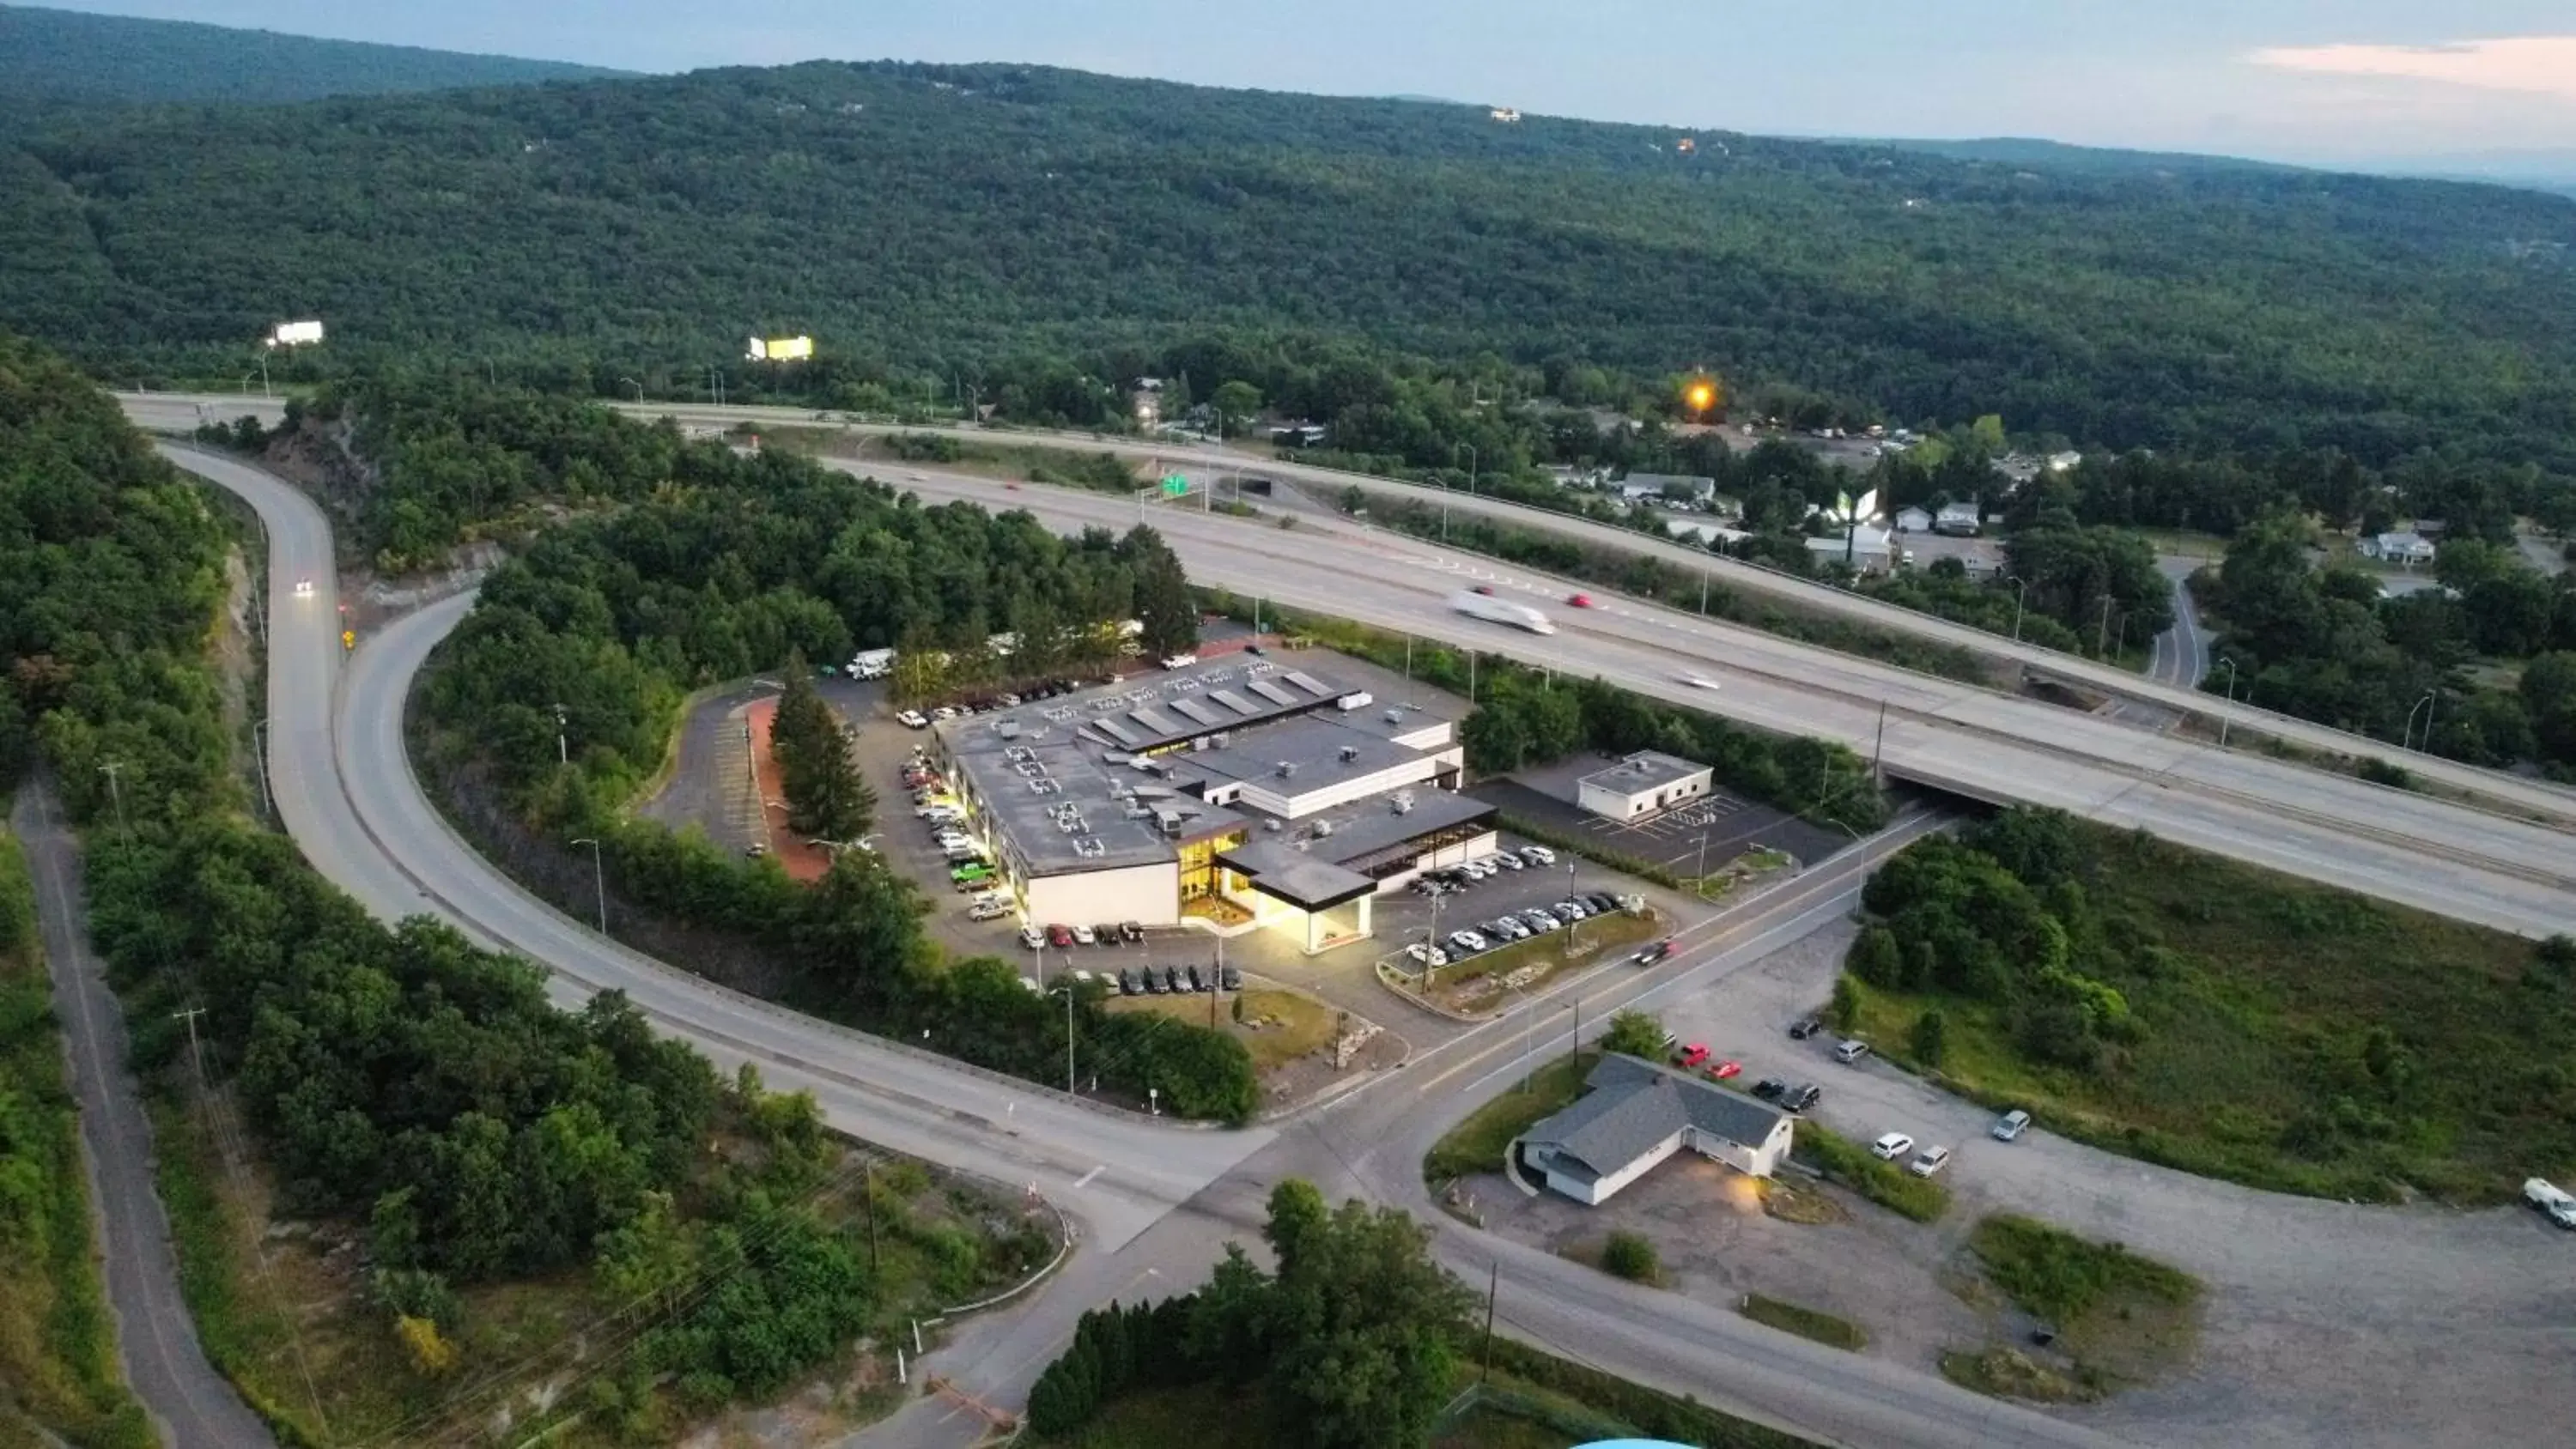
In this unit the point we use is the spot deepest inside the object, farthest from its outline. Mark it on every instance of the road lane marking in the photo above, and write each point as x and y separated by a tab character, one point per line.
1085	1180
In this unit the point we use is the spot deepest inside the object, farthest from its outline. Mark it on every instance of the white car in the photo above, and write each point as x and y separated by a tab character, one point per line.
2009	1126
304	588
1032	937
1699	681
1929	1161
1891	1147
1538	855
1179	661
1509	860
913	719
1084	936
2545	1195
988	910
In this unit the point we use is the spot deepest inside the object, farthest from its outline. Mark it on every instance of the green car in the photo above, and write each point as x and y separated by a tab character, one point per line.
971	873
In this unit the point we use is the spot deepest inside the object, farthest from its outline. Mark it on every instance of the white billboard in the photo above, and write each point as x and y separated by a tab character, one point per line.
295	334
781	349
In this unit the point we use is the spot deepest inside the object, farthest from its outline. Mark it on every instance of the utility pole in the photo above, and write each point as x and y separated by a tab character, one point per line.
110	770
196	1056
870	1169
2102	632
1878	752
2018	593
1493	1290
1068	1035
599	874
2227	715
1703	593
1574	1043
563	749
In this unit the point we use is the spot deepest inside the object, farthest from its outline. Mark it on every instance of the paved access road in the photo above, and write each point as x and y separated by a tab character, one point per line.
2429	853
345	790
156	1340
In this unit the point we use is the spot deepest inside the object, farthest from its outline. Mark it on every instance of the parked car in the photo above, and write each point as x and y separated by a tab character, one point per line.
1190	974
1851	1051
1691	1056
1540	920
1720	1071
1232	979
1154	983
1601	902
970	876
1059	937
1507	928
913	719
1571	911
1805	1027
1770	1089
1467	942
1128	985
1510	860
1654	952
1579	601
1032	937
1084	936
1891	1146
1929	1161
2009	1126
1131	931
1538	855
1108	934
1172	981
2554	1203
988	910
1800	1098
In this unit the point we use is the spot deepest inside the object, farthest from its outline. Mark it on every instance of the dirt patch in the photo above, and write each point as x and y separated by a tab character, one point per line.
802	859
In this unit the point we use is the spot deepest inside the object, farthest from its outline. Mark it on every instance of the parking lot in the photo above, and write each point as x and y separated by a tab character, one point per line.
1728	824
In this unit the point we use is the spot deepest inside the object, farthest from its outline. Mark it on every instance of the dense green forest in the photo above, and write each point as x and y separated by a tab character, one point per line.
935	227
2217	1017
722	566
400	1080
66	55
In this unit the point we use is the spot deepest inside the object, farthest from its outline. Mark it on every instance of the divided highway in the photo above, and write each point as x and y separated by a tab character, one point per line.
2433	854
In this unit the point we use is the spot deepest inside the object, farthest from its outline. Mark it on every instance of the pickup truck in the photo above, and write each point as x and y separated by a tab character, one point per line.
2545	1195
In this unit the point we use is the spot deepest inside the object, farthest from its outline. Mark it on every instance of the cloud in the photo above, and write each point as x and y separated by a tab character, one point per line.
2545	64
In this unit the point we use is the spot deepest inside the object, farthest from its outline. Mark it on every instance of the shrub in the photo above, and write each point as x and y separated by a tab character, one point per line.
1628	1255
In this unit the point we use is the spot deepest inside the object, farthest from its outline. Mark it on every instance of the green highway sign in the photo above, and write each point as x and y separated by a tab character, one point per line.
1176	485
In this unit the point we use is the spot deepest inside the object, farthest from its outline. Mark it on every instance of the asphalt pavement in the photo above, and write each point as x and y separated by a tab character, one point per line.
191	1405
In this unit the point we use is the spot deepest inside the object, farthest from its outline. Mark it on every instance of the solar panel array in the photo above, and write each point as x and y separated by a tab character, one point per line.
1274	693
1309	683
1237	703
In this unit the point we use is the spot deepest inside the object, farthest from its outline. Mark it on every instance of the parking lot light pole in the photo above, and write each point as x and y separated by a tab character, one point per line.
599	876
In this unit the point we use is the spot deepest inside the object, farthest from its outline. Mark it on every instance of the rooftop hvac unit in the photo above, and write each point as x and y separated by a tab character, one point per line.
1221	739
1008	729
1395	716
1404	807
1286	768
1350	753
1323	828
1270	825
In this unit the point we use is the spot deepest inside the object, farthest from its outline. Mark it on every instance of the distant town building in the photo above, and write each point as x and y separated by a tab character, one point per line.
1866	547
1643	784
1913	520
1635	1114
2407	548
1959	519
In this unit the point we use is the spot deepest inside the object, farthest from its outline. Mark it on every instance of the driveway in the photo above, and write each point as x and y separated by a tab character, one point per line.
156	1341
2326	1323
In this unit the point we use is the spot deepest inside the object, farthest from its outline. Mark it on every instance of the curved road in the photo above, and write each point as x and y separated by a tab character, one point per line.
344	787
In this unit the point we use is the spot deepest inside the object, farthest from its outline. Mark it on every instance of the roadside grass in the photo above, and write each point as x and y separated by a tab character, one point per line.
58	1365
2295	1037
2120	1317
1809	1323
1477	1144
1476	984
2008	1373
1886	1183
1277	1027
285	1312
1198	1416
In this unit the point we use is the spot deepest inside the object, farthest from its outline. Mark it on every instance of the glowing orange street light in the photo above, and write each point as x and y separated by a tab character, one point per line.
1701	396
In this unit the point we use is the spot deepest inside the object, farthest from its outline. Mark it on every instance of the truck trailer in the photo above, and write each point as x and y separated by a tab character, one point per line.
1501	611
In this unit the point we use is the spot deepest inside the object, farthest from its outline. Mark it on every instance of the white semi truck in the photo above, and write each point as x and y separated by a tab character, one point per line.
1501	611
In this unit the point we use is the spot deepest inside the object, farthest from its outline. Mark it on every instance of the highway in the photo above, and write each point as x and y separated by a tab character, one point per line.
2433	854
346	792
2535	797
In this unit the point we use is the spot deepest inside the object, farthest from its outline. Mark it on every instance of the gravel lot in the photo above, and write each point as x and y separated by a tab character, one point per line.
2326	1322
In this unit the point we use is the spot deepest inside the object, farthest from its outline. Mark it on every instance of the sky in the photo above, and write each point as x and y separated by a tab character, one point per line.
2360	82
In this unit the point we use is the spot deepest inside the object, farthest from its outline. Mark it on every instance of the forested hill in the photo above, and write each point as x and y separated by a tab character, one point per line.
63	55
933	217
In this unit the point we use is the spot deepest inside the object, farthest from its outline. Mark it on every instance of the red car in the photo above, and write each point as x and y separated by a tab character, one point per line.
1483	589
1580	601
1724	1070
1692	1055
1059	936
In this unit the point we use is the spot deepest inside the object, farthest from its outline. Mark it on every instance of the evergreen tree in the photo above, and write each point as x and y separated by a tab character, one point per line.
1163	603
826	797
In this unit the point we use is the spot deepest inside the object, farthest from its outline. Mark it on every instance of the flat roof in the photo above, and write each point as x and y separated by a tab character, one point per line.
1299	877
1311	746
1643	771
1372	825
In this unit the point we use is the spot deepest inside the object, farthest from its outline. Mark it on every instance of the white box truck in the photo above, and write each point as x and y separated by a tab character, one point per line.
1501	611
872	664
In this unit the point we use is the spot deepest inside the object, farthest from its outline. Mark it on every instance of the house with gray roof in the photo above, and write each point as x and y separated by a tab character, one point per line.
1634	1114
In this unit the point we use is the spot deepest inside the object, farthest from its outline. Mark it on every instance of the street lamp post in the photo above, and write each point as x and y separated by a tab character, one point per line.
2409	733
2022	589
1472	464
259	755
563	749
599	877
2227	714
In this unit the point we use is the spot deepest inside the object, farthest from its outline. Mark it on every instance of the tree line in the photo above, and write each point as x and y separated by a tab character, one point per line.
398	1079
1031	239
564	684
2326	643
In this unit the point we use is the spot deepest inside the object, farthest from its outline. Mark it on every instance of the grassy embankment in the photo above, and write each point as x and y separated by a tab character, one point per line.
2119	1318
2292	1036
58	1369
